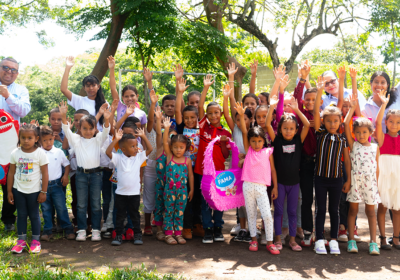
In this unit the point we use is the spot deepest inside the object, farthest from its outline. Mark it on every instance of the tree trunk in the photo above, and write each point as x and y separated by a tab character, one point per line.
214	18
111	45
394	55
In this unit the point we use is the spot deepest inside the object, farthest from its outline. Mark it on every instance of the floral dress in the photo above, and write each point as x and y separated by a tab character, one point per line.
175	196
364	186
160	170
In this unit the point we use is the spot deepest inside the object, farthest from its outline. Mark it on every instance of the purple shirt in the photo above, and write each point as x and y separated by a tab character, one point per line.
138	113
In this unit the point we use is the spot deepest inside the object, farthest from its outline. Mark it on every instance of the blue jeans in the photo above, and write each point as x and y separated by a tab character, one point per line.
129	224
106	193
56	197
209	214
27	206
89	184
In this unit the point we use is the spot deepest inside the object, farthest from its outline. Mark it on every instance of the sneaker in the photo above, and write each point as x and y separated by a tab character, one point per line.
247	237
235	230
307	241
35	247
218	235
352	246
9	227
319	247
104	227
373	249
334	247
21	245
81	235
138	239
114	233
342	237
46	237
356	236
198	230
129	234
96	235
239	238
117	240
107	234
208	236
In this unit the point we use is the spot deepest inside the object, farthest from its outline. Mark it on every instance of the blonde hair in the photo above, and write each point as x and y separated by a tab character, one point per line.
392	112
363	122
331	111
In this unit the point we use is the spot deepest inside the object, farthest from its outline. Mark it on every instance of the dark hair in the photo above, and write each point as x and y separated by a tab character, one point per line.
391	91
27	127
130	122
251	95
181	138
132	119
45	130
100	99
125	138
311	90
195	92
168	97
54	110
190	108
247	112
287	117
266	95
82	111
9	59
257	131
129	87
329	72
213	103
91	120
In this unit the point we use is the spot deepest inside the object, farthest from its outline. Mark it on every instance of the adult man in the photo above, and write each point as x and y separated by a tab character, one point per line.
14	99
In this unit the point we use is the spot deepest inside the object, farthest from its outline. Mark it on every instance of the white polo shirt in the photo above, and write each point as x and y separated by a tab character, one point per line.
57	159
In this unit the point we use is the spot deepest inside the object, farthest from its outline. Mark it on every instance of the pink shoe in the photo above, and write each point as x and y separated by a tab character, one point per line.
295	247
253	246
273	250
35	247
129	234
278	245
21	244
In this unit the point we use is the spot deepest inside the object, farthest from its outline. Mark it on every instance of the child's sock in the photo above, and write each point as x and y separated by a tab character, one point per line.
22	237
35	237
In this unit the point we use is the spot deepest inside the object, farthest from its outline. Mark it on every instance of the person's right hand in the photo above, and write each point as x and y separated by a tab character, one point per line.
167	123
227	91
239	108
232	69
384	99
279	72
253	67
10	198
178	70
158	113
182	85
118	134
70	61
304	71
130	109
273	101
353	72
103	108
284	83
342	72
111	62
208	80
63	108
320	83
153	97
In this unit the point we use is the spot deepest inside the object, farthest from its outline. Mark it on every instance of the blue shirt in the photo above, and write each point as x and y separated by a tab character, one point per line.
17	104
329	98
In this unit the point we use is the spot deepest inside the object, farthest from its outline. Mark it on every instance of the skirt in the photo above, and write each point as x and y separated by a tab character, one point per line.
389	180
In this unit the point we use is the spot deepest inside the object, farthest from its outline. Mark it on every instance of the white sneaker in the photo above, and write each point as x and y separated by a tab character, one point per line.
334	247
235	230
104	227
263	240
81	235
96	235
319	247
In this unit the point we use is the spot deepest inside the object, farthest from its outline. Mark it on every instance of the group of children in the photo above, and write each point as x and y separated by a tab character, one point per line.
289	149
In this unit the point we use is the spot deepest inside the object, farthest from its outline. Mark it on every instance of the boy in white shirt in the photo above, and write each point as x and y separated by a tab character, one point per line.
55	194
127	195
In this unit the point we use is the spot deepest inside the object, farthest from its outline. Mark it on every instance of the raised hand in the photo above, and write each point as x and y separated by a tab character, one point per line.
208	80
153	97
253	67
107	113
167	123
284	82
353	73
114	105
273	101
342	72
118	134
130	109
70	61
353	100
35	123
320	83
227	90
293	103
382	96
158	113
305	70
239	108
111	62
148	75
63	108
232	69
279	72
103	108
140	132
182	85
178	70
71	123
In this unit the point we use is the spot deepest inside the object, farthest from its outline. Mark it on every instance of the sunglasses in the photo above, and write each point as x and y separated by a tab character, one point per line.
331	82
12	70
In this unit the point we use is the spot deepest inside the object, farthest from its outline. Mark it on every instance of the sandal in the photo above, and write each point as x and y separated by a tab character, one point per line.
386	246
170	240
278	245
272	249
295	247
148	231
160	235
394	245
253	246
180	239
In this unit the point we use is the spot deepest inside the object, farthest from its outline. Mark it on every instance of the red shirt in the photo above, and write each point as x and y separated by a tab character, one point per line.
310	143
207	133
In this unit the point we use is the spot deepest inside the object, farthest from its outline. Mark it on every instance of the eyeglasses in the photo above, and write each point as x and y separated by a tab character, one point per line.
12	70
331	82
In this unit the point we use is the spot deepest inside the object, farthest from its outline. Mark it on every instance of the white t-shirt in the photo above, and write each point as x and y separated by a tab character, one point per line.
83	102
104	159
128	172
56	159
87	150
27	172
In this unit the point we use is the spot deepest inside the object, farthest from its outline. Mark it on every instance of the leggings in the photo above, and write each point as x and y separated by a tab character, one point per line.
292	193
323	186
27	206
255	195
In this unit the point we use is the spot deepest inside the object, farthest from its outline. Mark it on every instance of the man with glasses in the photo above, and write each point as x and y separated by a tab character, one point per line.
14	99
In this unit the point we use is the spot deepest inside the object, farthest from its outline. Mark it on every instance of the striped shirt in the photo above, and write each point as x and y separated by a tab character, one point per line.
329	153
17	104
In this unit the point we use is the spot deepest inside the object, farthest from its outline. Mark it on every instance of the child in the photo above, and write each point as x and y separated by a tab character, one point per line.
55	123
264	98
28	164
364	188
328	170
88	175
287	156
127	195
57	181
258	168
389	145
193	98
187	124
168	104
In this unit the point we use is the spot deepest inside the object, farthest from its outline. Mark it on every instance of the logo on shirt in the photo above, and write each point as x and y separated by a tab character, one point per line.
206	135
288	149
24	167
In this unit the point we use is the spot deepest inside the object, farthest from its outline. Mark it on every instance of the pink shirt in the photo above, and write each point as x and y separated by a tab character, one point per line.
390	146
256	167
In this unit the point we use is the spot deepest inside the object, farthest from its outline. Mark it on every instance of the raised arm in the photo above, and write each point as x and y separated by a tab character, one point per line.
140	133
232	69
207	83
227	93
320	86
253	69
113	83
342	77
306	124
159	139
148	75
279	73
129	111
378	126
64	82
239	108
354	94
179	97
101	111
272	105
114	106
167	125
110	147
347	120
304	71
150	117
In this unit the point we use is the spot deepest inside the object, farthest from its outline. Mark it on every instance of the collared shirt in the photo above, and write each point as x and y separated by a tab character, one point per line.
17	104
329	98
57	160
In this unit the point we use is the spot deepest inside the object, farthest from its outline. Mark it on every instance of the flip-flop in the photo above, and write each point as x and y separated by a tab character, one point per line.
272	249
295	247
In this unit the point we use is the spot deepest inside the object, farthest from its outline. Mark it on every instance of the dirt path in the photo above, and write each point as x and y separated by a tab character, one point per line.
229	260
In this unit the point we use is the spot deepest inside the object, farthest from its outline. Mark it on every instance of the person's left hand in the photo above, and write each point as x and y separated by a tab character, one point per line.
4	91
57	136
65	180
41	197
346	187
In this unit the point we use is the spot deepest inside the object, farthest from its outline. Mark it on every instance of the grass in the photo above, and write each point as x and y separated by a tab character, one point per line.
30	266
